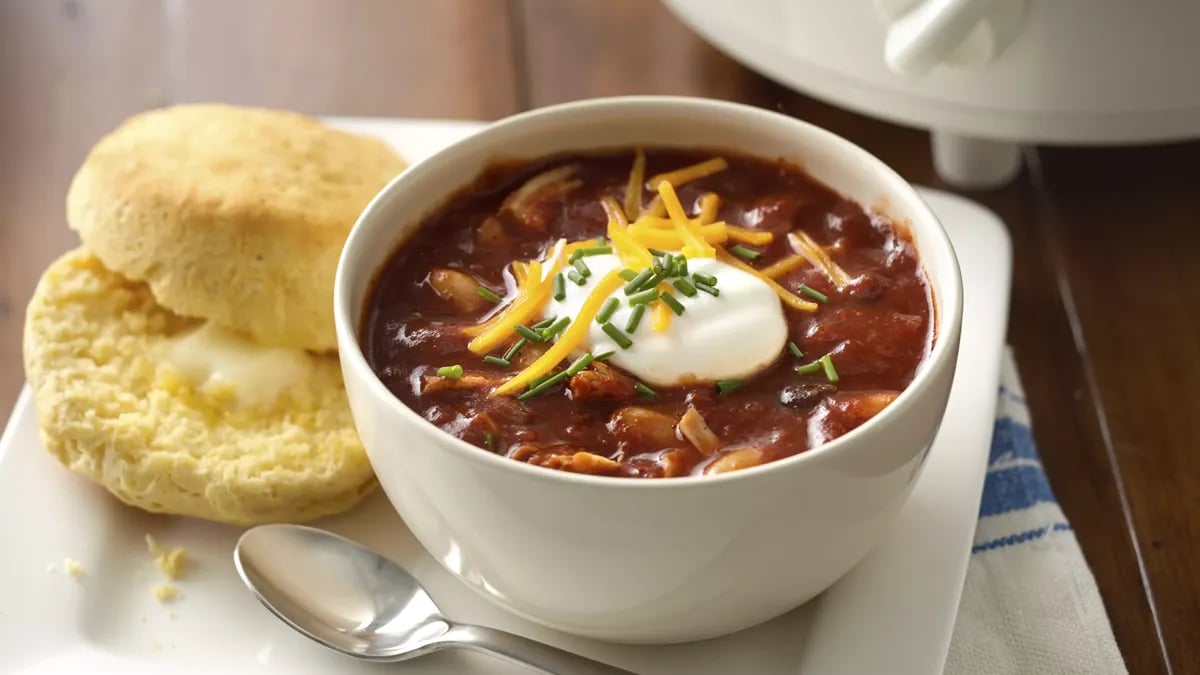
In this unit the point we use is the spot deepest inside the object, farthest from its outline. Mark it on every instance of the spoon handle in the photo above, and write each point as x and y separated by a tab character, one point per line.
524	651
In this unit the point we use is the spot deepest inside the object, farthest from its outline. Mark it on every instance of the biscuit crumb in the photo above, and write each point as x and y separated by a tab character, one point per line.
165	593
73	568
170	561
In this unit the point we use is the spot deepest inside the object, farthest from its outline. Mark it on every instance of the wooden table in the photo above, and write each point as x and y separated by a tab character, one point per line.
1105	307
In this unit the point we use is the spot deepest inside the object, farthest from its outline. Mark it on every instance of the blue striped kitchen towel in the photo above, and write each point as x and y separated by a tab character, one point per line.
1030	603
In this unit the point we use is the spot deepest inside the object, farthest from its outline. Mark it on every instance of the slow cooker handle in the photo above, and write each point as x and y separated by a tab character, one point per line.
925	33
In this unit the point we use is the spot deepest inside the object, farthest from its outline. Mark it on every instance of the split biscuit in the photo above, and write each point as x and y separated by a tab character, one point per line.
112	406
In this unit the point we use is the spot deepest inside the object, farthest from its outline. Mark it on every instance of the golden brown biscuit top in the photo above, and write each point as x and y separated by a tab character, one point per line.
231	214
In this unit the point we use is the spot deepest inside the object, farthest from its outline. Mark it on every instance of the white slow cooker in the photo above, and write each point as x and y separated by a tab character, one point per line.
983	75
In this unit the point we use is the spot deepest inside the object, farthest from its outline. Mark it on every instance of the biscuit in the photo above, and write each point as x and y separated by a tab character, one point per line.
110	409
236	215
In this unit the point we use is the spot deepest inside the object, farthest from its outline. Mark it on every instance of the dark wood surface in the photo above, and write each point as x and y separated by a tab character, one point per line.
1107	244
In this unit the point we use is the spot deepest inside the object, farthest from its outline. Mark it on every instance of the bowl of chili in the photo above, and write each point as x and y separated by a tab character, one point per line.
648	369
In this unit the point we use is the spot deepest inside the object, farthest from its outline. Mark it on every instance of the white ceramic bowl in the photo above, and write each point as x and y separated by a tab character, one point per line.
634	560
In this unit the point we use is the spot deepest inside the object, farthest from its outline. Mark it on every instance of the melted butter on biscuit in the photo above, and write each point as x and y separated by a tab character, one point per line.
222	363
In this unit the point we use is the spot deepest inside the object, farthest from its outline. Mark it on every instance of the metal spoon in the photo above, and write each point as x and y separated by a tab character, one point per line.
359	603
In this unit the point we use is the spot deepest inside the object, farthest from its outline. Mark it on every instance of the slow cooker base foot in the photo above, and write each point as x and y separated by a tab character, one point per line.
974	163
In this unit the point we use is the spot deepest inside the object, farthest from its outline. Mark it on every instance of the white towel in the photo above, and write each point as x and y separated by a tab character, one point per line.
1030	604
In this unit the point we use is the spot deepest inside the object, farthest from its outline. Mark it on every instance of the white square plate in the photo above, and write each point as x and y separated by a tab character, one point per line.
893	613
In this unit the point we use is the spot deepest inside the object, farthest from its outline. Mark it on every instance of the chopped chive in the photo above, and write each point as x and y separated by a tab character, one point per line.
489	441
813	293
831	373
715	292
636	282
604	355
681	269
590	251
513	350
556	327
617	336
653	281
582	267
702	278
644	390
578	278
728	386
528	333
560	287
635	318
543	324
627	274
450	372
684	286
795	350
497	361
809	368
654	251
488	294
553	380
643	297
580	363
607	310
544	386
671	302
743	252
601	241
667	264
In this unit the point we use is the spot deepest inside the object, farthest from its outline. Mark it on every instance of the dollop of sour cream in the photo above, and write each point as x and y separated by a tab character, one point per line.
731	336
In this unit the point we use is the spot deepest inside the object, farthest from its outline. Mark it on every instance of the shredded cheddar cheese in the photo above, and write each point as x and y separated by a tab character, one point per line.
632	253
790	299
804	245
576	245
568	341
694	245
613	210
690	173
520	272
653	236
784	266
710	203
746	236
661	320
524	307
533	270
633	191
656	222
654	208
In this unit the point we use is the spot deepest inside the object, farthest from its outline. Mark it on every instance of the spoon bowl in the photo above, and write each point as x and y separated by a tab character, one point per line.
357	602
